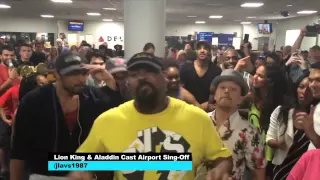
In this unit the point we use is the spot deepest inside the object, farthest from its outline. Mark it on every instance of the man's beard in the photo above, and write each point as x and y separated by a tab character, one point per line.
77	90
143	98
7	62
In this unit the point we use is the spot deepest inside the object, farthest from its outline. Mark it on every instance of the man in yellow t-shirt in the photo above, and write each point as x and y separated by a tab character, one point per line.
153	122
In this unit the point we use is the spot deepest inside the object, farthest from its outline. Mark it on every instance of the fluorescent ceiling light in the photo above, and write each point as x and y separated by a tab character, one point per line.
109	9
47	16
215	17
62	1
251	17
93	14
4	6
307	12
245	22
107	20
289	5
200	22
213	4
252	5
191	16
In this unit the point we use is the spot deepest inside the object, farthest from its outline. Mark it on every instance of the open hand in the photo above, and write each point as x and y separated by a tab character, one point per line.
99	72
305	120
282	144
242	63
295	58
12	73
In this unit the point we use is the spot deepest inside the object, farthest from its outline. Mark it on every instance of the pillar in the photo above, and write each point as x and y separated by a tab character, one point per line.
144	21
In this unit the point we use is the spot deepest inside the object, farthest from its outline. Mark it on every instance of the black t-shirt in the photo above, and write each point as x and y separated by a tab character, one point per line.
40	126
199	87
38	57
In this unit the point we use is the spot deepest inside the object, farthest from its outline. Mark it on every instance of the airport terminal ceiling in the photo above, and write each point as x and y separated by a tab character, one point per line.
178	11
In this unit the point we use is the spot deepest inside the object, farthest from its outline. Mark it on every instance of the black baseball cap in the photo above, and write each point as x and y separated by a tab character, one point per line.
205	44
145	59
69	63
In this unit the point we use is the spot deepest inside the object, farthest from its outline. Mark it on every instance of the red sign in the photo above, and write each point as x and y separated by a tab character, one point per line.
101	39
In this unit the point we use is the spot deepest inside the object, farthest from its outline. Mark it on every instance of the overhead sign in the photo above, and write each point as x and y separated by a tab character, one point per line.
224	40
205	36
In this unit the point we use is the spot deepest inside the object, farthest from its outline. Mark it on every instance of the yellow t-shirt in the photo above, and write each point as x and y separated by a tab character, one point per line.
254	116
179	128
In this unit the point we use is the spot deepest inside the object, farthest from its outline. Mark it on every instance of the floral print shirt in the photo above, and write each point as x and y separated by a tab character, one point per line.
245	143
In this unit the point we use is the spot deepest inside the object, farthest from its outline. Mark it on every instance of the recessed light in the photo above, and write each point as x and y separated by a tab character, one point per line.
62	1
107	20
252	5
215	17
245	23
191	16
289	5
200	22
307	12
47	16
213	4
251	17
4	6
93	14
109	9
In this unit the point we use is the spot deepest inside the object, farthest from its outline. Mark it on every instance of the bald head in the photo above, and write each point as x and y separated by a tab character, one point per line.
230	58
231	51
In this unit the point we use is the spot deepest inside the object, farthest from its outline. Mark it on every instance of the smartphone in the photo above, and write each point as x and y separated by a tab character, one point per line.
300	108
246	38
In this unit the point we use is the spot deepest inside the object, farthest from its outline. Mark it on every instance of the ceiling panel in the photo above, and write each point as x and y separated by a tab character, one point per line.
177	10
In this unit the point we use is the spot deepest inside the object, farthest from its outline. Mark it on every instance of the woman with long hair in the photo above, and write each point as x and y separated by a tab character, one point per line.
267	93
51	60
286	135
268	90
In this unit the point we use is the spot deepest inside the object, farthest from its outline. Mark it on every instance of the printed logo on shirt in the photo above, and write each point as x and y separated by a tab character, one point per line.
161	141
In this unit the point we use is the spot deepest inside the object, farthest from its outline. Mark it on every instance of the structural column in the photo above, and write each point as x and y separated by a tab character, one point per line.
144	21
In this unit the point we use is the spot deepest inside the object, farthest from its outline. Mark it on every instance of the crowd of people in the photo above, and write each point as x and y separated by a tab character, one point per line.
242	114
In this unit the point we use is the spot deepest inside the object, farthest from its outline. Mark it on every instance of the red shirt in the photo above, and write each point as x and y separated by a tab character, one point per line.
307	168
10	100
71	119
4	75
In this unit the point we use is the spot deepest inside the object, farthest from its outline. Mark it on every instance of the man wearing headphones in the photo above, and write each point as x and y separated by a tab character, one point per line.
55	118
